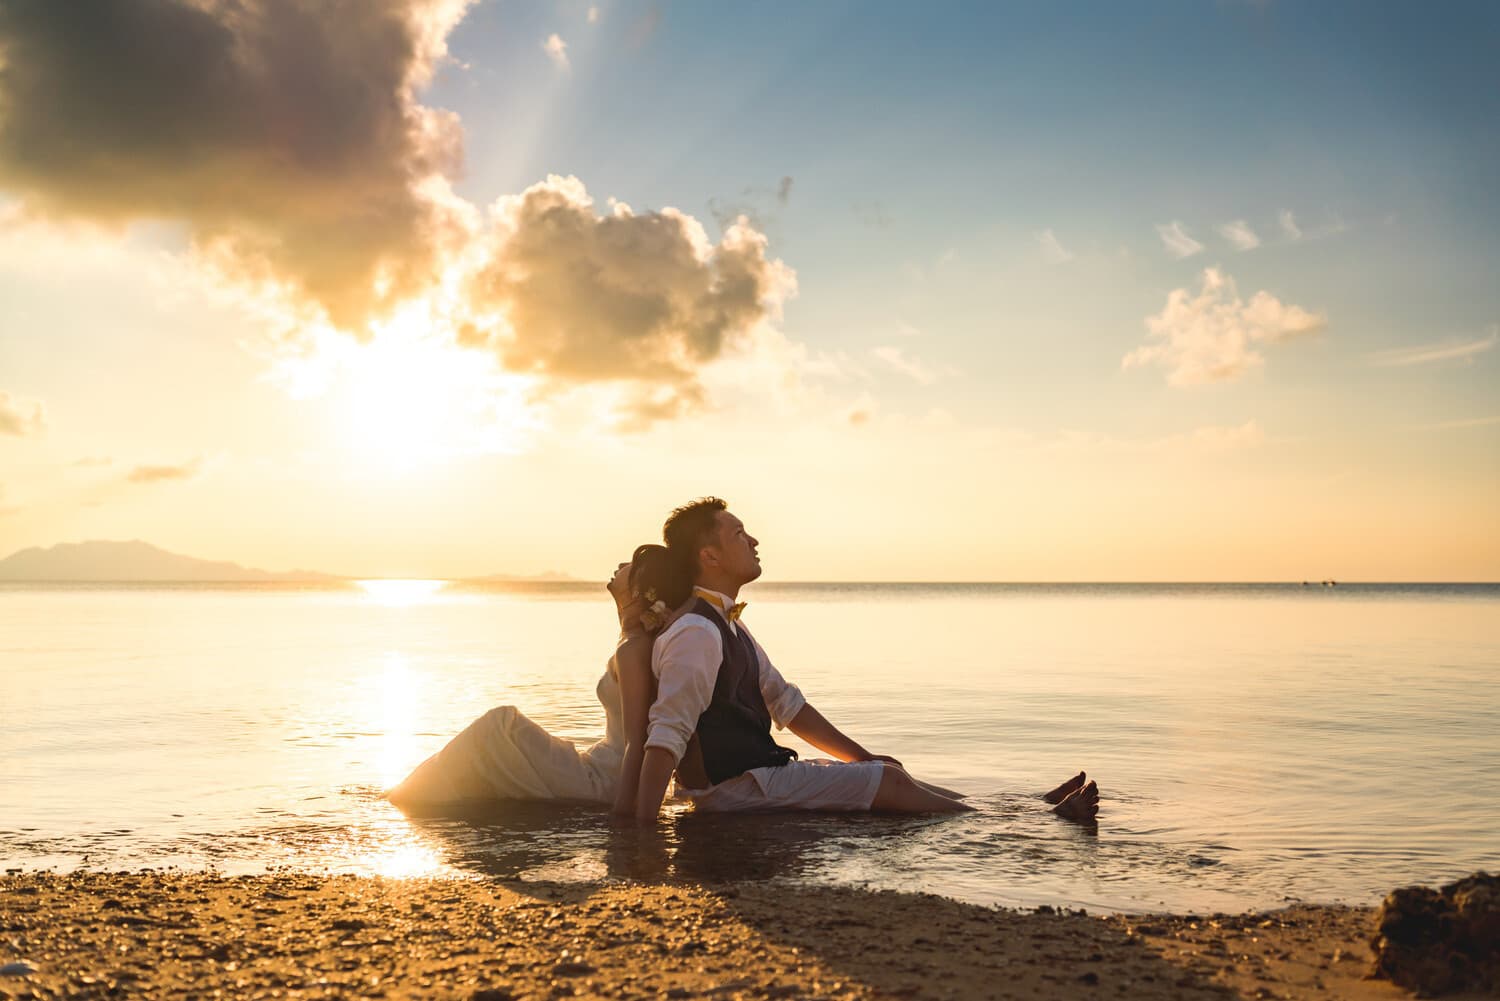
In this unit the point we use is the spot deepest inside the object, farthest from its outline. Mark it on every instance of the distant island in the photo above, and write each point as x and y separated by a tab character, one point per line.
131	561
100	561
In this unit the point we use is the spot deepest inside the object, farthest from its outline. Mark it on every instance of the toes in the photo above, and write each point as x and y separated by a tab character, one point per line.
1065	790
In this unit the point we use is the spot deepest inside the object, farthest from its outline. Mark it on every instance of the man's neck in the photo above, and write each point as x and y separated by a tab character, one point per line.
729	589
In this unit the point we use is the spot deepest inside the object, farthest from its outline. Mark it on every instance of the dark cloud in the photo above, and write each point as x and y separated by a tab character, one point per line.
642	299
159	474
755	203
21	417
285	133
287	136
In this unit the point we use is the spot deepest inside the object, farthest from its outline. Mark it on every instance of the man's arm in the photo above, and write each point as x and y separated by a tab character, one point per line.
813	727
790	709
686	663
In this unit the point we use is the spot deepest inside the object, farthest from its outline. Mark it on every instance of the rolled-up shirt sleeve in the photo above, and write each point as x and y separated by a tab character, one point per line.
686	662
784	699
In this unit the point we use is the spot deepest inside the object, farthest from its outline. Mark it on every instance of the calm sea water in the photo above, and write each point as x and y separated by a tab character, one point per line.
1254	744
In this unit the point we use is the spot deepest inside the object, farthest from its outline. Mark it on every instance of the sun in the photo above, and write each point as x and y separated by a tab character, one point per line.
408	399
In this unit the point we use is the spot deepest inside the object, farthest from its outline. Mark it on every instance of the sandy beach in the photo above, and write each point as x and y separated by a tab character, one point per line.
171	934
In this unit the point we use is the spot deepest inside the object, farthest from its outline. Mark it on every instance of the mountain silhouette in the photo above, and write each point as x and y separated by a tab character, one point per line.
130	561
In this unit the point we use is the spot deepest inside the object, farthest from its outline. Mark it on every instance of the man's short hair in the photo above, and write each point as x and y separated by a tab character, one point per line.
691	527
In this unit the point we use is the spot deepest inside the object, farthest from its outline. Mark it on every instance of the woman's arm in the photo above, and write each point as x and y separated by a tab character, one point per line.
637	692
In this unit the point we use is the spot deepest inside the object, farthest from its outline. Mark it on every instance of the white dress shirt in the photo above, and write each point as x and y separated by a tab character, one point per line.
686	659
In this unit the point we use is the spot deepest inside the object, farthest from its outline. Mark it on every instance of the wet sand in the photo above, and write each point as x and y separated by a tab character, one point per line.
178	935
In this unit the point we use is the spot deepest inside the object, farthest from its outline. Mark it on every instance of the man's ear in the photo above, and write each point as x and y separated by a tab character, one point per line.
708	556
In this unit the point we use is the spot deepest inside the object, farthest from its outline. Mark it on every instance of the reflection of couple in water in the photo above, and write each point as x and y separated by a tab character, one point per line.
688	692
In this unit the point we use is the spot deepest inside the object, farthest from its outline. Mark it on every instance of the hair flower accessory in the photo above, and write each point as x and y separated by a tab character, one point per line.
656	614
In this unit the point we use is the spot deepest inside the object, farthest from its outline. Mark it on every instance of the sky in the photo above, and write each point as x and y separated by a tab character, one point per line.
1190	291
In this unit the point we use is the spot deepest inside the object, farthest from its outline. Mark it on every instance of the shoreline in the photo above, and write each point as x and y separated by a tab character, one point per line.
167	934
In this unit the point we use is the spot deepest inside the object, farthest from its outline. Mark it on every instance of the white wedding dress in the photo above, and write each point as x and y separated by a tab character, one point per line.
504	755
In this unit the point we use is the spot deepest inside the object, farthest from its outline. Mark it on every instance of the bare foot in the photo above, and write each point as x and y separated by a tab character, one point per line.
1082	805
1065	790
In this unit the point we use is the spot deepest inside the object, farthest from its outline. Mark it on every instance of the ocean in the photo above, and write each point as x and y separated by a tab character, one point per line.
1254	744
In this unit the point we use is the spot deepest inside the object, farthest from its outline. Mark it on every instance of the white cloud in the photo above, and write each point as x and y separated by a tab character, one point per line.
1240	234
1176	240
557	50
570	296
1213	336
1052	248
21	418
593	15
1423	354
1289	227
898	361
1293	231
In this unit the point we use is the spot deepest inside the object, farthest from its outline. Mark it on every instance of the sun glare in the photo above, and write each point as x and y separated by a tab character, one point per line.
409	398
401	592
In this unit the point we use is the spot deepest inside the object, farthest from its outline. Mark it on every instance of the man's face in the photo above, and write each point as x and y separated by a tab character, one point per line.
735	549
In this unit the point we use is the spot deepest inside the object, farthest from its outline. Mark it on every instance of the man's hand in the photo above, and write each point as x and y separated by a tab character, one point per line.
884	757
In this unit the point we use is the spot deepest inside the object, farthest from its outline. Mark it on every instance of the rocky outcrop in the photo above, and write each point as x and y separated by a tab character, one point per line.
1439	941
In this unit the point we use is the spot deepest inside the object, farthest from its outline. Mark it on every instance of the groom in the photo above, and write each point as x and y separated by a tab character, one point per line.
718	694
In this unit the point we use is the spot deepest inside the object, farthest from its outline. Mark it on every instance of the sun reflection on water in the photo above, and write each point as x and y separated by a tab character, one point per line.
401	592
401	690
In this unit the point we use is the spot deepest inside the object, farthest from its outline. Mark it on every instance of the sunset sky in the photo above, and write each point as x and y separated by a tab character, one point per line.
1181	291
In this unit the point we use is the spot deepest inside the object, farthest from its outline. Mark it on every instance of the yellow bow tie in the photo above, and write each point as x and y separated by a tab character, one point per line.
731	614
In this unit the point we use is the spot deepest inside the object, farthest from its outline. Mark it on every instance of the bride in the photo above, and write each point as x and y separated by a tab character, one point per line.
504	755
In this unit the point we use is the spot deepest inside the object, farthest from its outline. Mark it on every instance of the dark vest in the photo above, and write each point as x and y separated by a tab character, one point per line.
734	732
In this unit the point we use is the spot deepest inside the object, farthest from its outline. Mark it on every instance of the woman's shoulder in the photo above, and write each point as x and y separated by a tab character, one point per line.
635	648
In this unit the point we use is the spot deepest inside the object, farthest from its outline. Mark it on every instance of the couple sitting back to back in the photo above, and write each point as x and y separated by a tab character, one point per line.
688	692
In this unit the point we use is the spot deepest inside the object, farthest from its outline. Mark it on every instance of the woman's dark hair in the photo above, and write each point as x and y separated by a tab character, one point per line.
655	569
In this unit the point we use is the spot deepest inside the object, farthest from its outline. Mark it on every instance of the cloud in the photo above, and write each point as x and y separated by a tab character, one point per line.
1470	422
286	140
898	361
644	28
1213	336
160	474
1293	231
285	135
757	203
21	418
1052	248
593	15
92	461
1176	240
1424	354
557	50
641	299
1240	234
860	413
1289	227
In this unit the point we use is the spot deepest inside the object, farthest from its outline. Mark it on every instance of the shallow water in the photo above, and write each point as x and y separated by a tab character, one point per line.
1253	743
